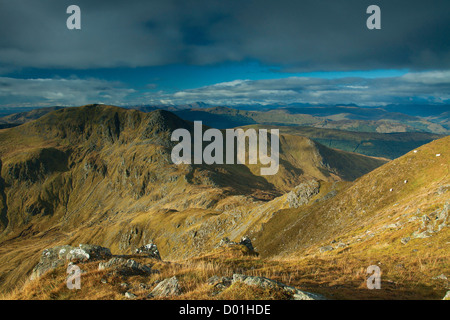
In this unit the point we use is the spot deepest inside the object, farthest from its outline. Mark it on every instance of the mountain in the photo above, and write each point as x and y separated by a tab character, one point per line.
348	118
320	237
103	174
16	119
385	145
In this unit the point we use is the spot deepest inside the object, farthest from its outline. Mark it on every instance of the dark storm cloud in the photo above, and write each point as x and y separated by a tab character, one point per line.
298	35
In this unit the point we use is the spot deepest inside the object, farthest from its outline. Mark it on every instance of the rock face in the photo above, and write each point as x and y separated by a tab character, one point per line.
272	284
150	250
302	193
55	257
125	266
166	288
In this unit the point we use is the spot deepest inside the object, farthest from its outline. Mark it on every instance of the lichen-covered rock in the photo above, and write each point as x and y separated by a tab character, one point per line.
302	193
53	258
266	283
166	288
125	266
88	252
219	281
150	250
326	248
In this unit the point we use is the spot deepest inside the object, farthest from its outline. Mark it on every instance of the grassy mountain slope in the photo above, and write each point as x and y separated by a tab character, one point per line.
391	145
349	118
103	175
323	246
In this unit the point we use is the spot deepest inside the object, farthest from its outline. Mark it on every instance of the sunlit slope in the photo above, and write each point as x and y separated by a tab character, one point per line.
75	162
103	175
386	145
407	198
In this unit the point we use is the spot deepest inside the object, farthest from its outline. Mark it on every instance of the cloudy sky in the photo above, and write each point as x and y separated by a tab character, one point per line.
224	52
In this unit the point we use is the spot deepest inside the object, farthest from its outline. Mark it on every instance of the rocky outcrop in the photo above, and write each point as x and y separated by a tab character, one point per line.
245	241
266	283
126	267
87	252
302	193
53	258
326	248
433	223
149	250
166	288
219	282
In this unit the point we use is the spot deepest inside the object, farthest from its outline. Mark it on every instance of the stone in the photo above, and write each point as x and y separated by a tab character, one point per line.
167	288
405	240
225	242
247	242
440	277
150	250
125	267
266	283
302	193
87	252
51	258
326	248
130	295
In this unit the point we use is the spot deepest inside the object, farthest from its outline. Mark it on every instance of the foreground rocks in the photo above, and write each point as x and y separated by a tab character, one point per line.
166	288
266	283
222	283
55	257
170	287
126	267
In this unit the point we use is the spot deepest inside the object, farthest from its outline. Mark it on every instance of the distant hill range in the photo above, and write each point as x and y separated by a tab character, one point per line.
387	132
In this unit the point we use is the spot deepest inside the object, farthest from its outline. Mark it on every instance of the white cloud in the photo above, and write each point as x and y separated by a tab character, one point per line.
49	92
426	86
